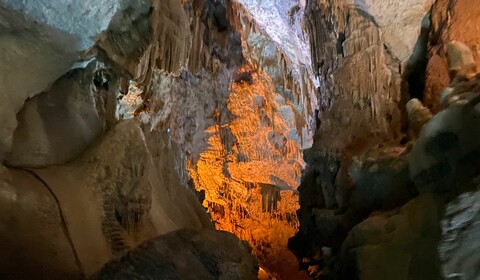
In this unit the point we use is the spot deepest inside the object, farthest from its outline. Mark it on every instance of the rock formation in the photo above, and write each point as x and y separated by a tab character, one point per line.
450	22
381	180
130	131
82	184
121	126
185	254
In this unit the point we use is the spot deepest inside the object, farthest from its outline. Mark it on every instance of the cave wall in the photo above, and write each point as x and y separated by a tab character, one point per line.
451	21
123	109
112	110
59	41
377	193
242	130
89	170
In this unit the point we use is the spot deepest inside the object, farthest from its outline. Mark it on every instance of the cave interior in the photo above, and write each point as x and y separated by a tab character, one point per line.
240	139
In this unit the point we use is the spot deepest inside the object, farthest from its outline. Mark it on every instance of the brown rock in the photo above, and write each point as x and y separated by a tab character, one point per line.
398	247
451	21
460	59
418	115
437	79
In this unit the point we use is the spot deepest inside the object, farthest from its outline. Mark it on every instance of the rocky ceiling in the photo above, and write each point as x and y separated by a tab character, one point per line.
335	136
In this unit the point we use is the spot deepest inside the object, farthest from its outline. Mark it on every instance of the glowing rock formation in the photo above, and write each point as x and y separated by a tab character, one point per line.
250	170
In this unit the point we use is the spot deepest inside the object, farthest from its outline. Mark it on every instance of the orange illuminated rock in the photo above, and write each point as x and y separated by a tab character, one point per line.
249	173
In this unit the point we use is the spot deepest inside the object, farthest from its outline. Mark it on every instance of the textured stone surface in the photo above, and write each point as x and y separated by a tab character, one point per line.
445	160
425	238
273	41
239	140
58	125
399	246
381	179
281	22
130	182
60	32
133	192
236	136
451	21
361	101
430	237
21	78
360	92
170	65
84	20
33	236
186	254
460	59
447	150
334	199
460	242
250	166
418	116
64	32
363	56
400	22
126	193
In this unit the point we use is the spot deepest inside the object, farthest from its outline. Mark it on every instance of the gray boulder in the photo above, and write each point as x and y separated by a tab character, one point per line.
186	255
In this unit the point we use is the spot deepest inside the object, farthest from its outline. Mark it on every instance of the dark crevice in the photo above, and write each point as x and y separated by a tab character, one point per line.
340	40
63	220
415	72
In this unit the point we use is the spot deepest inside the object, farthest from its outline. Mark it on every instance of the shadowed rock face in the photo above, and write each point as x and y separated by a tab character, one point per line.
58	125
43	39
185	255
96	185
380	197
128	192
354	157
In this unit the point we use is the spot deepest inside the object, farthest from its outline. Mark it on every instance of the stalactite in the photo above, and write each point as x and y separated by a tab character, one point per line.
270	197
